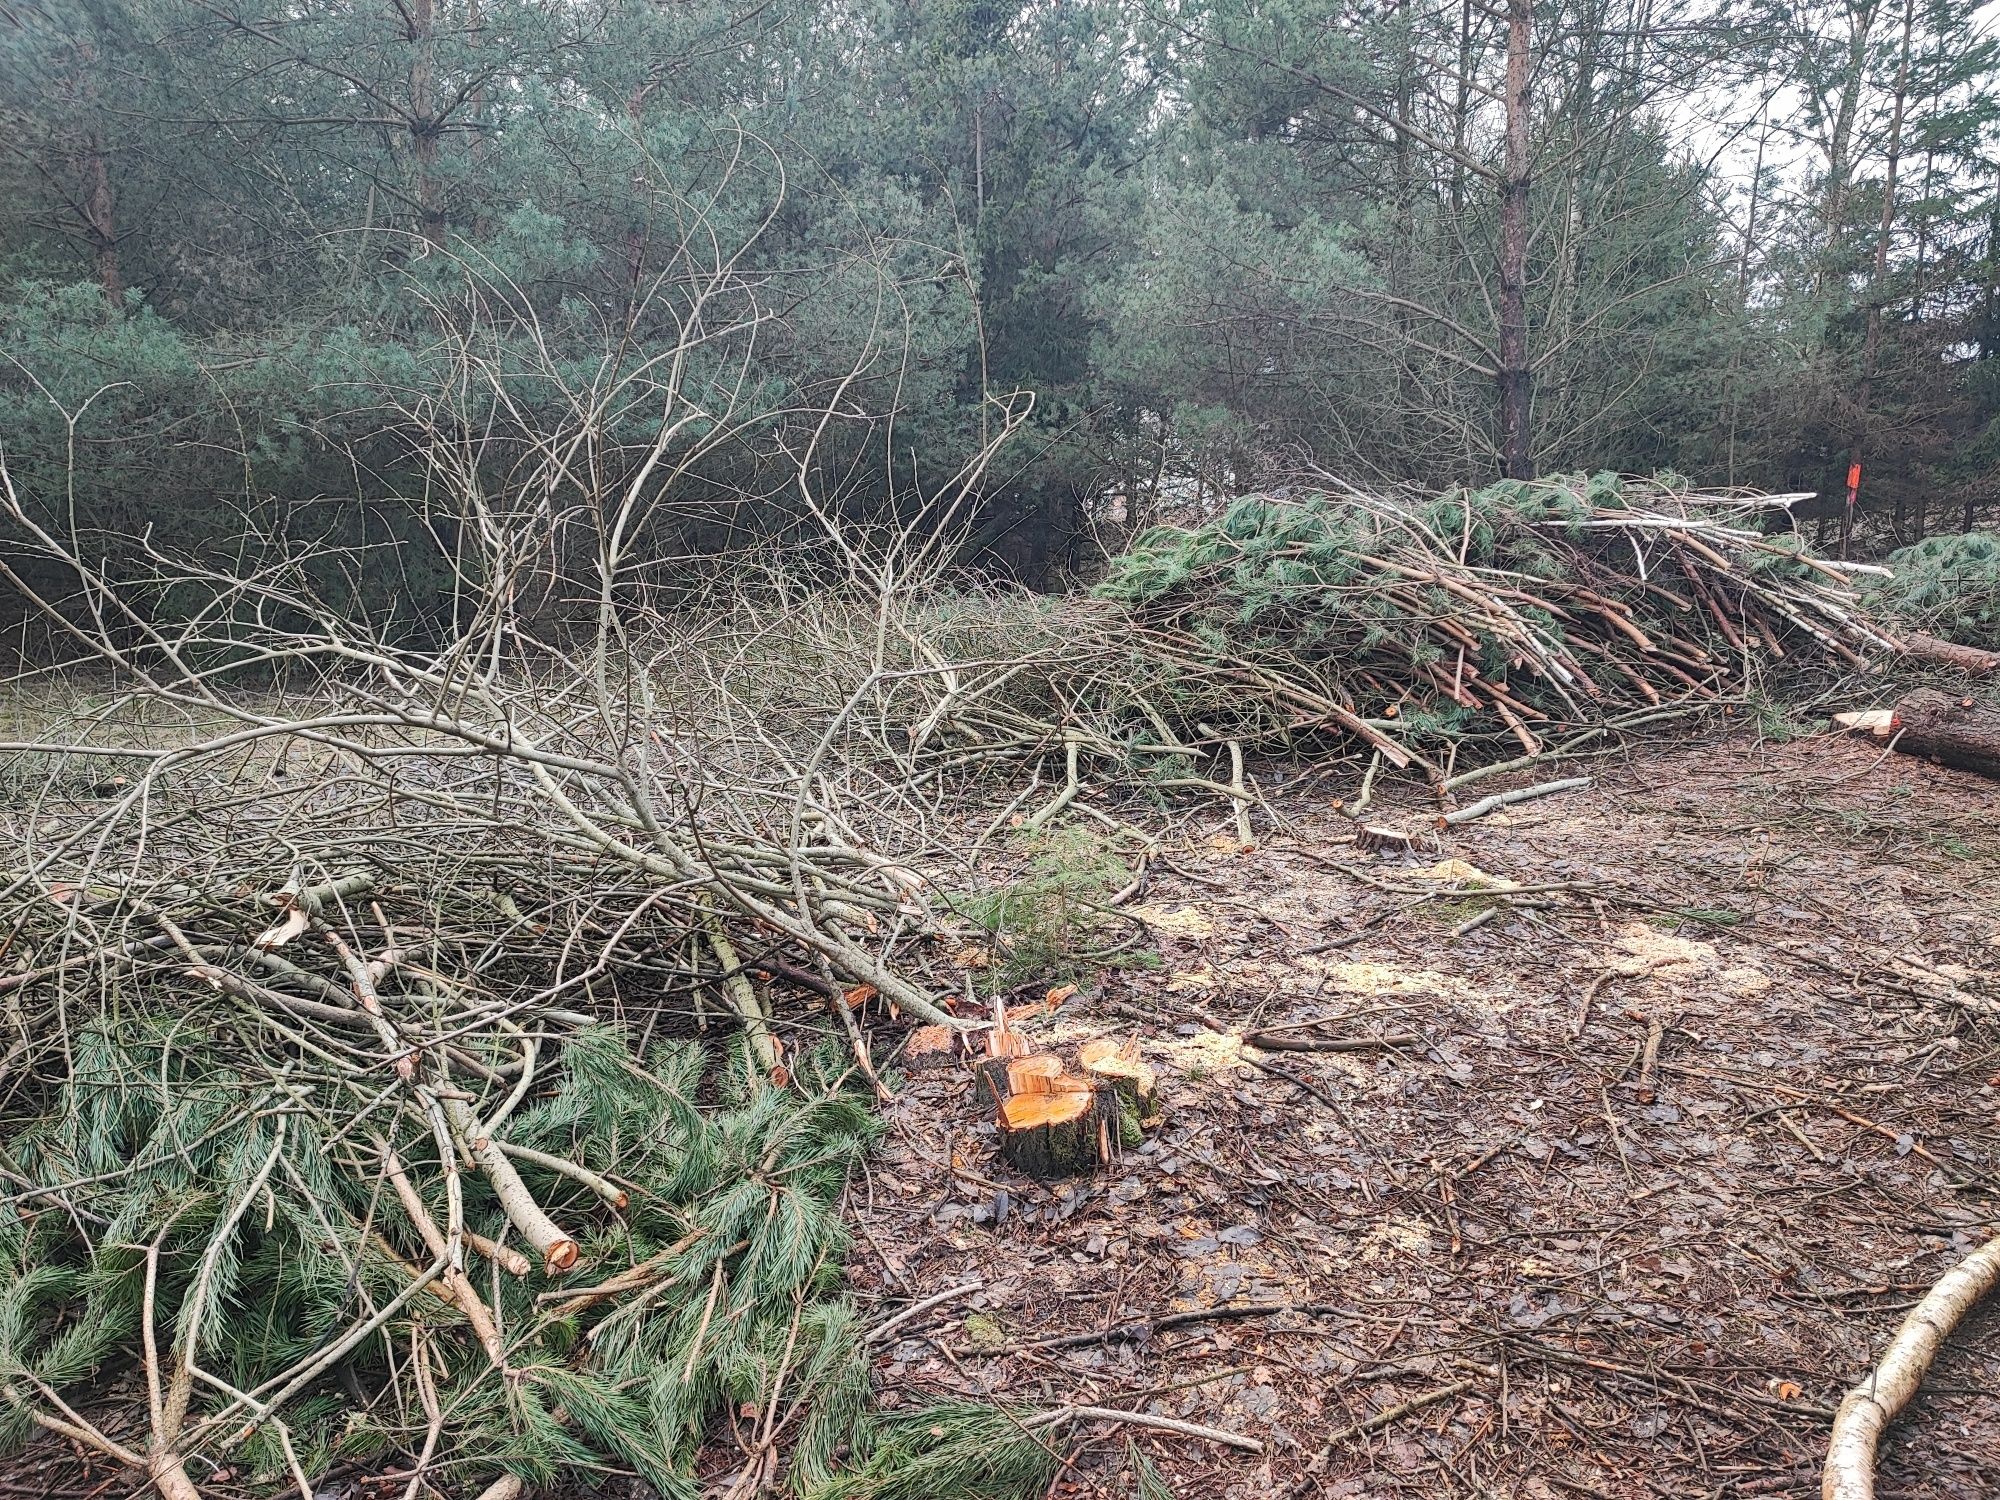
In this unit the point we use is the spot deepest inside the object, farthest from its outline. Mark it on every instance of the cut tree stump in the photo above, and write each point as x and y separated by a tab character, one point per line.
1131	1080
1002	1078
1058	1123
1376	838
1955	731
1063	1132
930	1048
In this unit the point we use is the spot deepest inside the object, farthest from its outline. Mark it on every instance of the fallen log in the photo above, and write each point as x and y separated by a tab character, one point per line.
1968	659
1953	731
1499	800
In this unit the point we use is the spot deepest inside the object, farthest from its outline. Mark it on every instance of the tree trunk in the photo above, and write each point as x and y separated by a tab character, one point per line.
1860	27
1954	731
476	101
1403	237
1516	453
1968	659
103	226
1743	298
1878	272
423	127
1461	110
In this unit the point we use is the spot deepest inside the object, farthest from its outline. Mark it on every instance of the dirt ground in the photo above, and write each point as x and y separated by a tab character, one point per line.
1575	1275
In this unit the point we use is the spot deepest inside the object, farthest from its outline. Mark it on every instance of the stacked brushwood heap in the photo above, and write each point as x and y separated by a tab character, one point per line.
358	1107
1430	633
1521	610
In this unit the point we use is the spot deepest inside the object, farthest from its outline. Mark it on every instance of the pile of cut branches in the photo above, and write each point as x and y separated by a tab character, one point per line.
1525	607
357	1104
1429	634
357	1101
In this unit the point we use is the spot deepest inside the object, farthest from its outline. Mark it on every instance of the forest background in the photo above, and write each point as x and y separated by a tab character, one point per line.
1170	251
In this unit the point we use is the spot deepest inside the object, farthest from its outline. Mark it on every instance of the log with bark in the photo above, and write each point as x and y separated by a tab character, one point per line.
930	1048
1872	1404
1967	659
1960	732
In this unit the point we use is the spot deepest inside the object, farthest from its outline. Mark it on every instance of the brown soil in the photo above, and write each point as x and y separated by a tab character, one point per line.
1647	1284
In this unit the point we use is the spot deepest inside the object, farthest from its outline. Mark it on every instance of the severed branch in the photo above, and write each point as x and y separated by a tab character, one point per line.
1499	800
1872	1405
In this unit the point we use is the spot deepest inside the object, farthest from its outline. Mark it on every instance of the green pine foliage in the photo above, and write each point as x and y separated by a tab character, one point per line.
1293	579
1042	922
1270	555
261	1210
1471	613
961	1449
1948	586
1148	1483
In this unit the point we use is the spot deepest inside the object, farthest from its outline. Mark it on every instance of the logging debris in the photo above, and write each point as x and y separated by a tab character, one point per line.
1056	1119
1960	732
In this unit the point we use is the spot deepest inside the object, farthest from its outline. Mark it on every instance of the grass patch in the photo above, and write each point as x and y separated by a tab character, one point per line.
1048	923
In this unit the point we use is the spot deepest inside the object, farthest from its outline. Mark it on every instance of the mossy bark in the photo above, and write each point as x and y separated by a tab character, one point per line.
1064	1134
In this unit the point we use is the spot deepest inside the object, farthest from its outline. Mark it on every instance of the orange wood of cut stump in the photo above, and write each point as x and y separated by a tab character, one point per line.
1035	1075
1053	1107
1116	1060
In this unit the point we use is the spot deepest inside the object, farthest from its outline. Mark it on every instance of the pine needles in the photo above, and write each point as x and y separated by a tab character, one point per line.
1949	586
191	1218
960	1449
1525	606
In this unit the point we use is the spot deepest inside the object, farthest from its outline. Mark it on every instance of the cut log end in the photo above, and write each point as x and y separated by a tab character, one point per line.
1040	1111
1057	1123
560	1256
1001	1078
929	1048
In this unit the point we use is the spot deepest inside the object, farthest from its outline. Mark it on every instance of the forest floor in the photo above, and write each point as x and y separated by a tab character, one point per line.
1597	1280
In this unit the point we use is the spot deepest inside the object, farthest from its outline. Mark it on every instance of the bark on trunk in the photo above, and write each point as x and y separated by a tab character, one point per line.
1968	659
1954	731
423	127
1063	1133
1132	1082
1052	1123
1515	378
104	224
1860	29
1871	338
